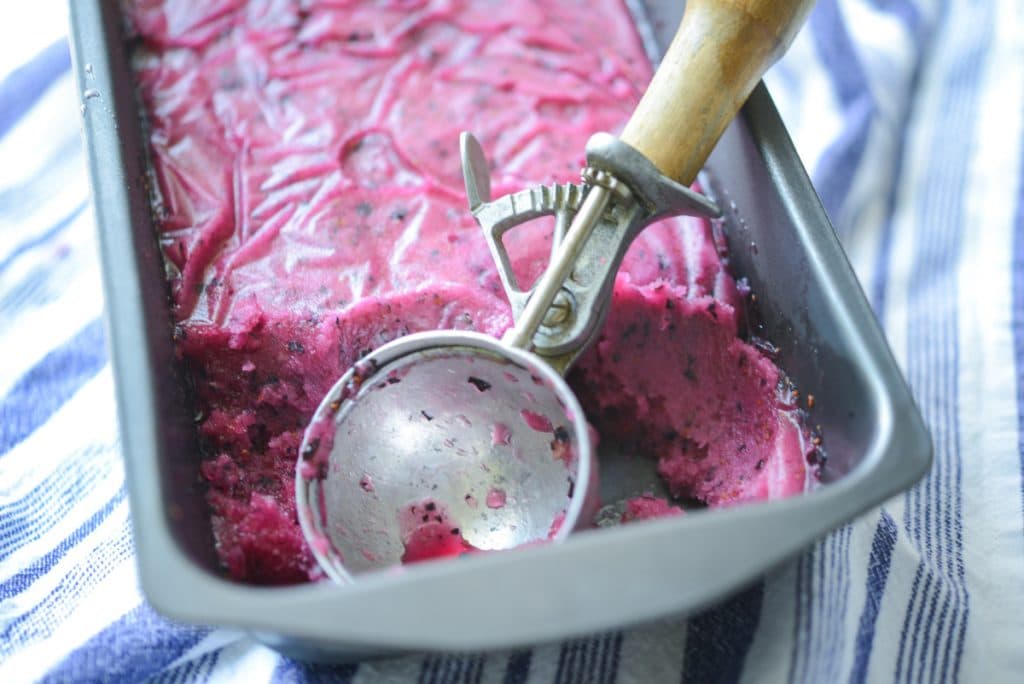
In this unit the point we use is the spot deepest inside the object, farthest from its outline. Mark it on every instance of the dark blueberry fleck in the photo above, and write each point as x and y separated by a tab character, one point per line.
572	487
430	506
743	447
364	208
481	385
427	415
311	449
259	437
296	347
713	310
561	434
760	464
399	214
438	518
394	380
455	530
689	373
669	304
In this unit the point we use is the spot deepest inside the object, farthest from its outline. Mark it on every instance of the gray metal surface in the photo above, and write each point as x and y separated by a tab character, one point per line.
809	304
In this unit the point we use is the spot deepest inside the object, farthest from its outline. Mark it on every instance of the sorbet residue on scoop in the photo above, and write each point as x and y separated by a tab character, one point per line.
309	203
428	532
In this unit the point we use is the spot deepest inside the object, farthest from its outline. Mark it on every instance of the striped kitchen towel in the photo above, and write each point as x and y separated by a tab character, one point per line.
908	115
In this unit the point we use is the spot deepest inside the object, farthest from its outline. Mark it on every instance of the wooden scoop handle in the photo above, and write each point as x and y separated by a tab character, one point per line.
719	53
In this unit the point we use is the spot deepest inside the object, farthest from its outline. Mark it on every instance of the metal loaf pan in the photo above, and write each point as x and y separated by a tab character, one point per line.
810	306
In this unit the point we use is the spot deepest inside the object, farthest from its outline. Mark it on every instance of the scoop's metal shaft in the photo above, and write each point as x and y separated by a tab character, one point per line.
559	269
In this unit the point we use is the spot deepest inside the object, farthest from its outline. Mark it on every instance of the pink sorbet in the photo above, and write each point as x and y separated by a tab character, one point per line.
309	204
648	506
428	533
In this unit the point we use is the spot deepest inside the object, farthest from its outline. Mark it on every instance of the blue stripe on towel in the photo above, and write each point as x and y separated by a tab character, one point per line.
1018	315
294	671
517	671
31	572
43	237
839	163
718	640
26	84
50	383
879	563
53	497
139	645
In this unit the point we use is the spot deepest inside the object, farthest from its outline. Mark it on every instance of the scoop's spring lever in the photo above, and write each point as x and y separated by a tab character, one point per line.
595	222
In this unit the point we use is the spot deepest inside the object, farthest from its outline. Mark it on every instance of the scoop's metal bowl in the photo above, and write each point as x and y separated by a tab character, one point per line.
442	443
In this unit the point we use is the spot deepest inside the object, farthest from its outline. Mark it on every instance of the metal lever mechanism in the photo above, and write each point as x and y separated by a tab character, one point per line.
621	194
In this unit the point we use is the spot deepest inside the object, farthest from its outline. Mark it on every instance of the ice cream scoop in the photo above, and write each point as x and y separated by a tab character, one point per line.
442	444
